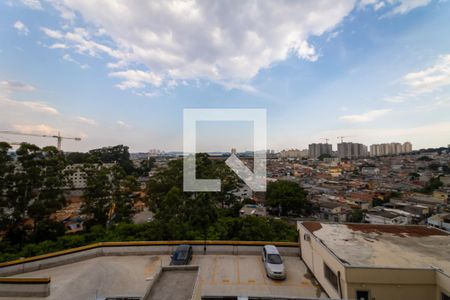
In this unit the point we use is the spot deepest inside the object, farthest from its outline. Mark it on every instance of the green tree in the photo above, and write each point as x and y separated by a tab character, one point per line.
98	201
145	166
356	216
432	185
286	197
434	166
190	214
424	158
202	213
109	194
6	169
323	156
126	190
172	176
35	189
116	154
414	176
54	180
159	185
80	158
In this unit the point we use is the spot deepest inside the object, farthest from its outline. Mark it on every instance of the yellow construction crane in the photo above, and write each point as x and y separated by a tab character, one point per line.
58	137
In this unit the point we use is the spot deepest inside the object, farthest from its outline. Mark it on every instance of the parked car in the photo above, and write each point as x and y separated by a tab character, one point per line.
182	255
273	262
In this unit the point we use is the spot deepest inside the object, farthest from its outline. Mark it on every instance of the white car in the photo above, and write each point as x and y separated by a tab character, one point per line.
273	263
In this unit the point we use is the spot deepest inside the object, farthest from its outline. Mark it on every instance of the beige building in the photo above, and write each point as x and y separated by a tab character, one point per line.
315	150
77	177
377	262
390	149
441	196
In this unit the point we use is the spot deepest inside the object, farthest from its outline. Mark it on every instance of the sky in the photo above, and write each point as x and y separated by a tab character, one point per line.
122	71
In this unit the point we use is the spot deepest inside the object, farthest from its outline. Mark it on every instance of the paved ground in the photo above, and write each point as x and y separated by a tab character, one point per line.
174	285
245	276
130	275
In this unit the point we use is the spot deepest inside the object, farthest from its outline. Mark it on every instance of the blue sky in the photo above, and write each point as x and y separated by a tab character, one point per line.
121	72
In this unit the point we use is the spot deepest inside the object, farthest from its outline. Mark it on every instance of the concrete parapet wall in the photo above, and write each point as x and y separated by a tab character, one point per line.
138	248
24	287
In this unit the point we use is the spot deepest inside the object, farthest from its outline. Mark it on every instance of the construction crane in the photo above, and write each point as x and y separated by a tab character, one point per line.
58	137
342	138
325	139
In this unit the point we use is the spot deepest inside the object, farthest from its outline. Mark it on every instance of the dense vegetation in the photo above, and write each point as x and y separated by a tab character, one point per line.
32	188
225	228
286	197
432	185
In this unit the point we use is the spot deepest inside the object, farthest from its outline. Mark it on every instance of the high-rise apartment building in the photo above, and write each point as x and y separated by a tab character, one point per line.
352	150
316	150
390	149
407	147
294	153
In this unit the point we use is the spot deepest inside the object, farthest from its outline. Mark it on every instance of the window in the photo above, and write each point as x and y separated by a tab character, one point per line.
306	237
362	295
274	259
181	255
330	276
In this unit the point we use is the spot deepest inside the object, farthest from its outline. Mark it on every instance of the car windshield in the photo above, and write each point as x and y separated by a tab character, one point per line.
274	259
180	255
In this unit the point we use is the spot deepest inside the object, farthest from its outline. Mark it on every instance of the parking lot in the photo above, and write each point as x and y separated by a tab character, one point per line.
245	275
219	275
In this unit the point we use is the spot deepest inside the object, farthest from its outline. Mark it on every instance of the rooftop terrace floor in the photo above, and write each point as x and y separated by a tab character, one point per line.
391	246
221	275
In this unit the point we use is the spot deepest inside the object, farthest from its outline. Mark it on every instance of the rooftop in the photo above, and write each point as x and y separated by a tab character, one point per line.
220	275
391	246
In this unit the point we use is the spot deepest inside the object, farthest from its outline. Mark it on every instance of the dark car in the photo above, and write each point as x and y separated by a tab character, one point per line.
181	256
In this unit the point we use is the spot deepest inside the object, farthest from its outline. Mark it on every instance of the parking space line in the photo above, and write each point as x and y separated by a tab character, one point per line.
237	270
213	276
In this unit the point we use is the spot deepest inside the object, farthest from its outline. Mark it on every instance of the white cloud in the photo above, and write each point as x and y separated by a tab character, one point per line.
378	5
394	7
437	103
8	87
430	79
55	34
365	117
33	4
21	28
14	86
405	6
30	105
64	12
147	94
426	81
220	41
333	35
307	52
123	124
41	107
136	79
58	46
86	121
35	129
69	58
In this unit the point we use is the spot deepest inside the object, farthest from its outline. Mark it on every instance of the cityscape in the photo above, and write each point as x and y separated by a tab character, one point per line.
234	150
